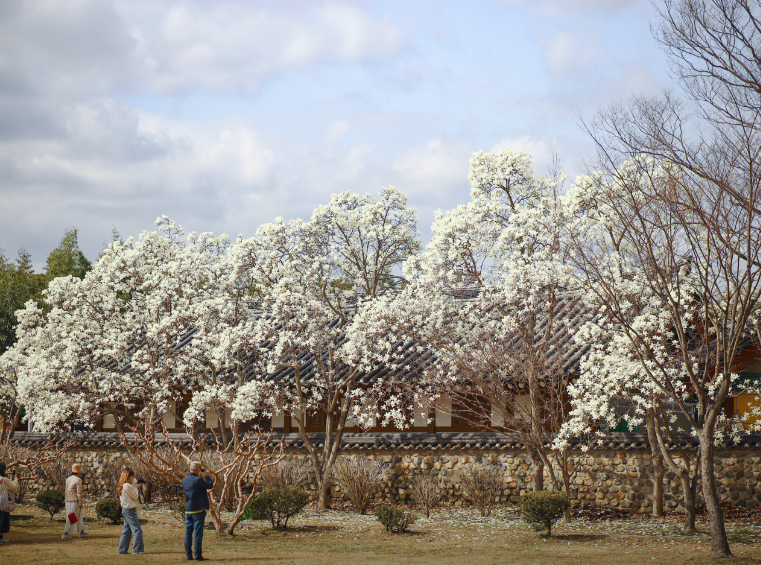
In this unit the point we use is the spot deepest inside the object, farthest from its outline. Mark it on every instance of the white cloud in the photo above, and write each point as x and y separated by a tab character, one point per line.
70	154
435	176
169	47
241	45
569	53
336	130
569	7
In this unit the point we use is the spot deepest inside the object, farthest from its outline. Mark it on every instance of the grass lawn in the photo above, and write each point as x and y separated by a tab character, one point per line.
455	536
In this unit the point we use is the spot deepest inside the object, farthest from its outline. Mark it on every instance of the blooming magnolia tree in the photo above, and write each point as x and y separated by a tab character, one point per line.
677	306
138	336
13	454
507	247
9	405
314	276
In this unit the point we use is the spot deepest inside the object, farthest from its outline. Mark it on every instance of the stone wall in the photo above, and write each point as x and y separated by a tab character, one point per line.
617	478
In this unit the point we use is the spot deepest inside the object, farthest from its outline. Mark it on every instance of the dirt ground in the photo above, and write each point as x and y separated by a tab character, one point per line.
450	536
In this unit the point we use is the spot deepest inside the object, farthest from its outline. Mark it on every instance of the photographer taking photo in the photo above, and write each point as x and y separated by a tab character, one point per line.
131	500
196	504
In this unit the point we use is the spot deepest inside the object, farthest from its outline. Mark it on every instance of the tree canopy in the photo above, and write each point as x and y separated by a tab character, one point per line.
67	259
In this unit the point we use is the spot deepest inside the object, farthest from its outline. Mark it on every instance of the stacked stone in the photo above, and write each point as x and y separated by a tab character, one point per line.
615	478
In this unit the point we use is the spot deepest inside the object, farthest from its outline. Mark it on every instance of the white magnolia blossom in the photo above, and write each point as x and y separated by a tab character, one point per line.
655	291
119	340
505	250
314	317
314	275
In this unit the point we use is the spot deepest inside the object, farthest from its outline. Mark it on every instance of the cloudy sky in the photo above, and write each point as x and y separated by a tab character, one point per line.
226	114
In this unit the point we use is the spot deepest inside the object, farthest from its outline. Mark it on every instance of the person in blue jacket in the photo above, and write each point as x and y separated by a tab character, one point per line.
196	505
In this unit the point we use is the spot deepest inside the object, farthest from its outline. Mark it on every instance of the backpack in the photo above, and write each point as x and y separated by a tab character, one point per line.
7	500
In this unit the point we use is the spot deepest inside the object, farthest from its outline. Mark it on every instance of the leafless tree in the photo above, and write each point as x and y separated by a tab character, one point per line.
482	484
667	451
163	487
359	479
32	458
425	491
235	464
57	472
24	477
709	215
517	383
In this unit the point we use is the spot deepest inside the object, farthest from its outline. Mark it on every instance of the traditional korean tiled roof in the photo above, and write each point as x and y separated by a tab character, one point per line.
395	441
570	314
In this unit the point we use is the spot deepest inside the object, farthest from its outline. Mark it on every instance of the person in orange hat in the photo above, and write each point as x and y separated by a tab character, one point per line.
74	501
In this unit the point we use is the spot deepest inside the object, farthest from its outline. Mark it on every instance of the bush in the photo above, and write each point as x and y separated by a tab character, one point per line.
544	508
284	474
359	479
51	501
425	491
57	472
277	505
23	478
110	474
178	511
396	519
108	509
482	484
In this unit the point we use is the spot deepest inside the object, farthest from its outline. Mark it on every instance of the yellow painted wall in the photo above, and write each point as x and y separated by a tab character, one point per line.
744	403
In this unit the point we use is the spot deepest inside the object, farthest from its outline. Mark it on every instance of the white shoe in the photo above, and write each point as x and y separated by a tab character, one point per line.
65	536
3	540
83	534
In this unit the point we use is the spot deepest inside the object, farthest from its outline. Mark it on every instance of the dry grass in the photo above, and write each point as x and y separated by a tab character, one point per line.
451	536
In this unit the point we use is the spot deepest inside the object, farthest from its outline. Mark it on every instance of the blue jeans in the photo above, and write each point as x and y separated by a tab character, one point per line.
131	528
194	523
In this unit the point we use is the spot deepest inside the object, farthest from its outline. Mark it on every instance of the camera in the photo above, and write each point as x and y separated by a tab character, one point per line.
141	481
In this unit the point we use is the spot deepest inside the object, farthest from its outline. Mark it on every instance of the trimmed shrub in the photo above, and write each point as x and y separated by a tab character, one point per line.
277	505
543	509
51	501
395	519
107	509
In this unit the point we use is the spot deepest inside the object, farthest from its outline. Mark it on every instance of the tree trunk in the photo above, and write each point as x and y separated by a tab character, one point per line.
658	470
658	474
216	519
562	462
719	544
323	499
689	488
538	466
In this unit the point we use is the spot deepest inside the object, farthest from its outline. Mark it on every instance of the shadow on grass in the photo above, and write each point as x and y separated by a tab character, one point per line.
577	537
21	537
300	530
